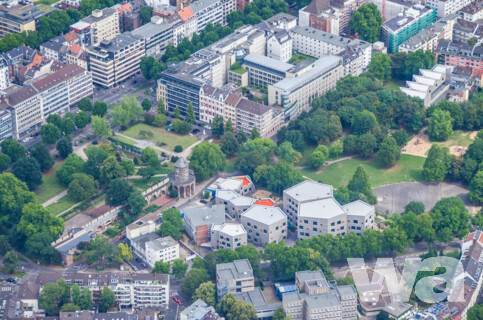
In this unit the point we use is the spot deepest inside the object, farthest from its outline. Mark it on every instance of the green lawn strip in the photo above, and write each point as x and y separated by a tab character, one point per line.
62	205
125	140
407	169
141	88
51	186
161	170
144	184
305	160
458	138
161	136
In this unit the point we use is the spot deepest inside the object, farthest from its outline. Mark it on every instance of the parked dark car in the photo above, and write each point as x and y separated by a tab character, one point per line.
195	131
12	280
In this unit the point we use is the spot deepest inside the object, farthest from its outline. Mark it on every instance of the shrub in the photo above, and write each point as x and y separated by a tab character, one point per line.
178	148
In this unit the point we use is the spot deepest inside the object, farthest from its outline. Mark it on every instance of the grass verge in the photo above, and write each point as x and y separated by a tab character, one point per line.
50	186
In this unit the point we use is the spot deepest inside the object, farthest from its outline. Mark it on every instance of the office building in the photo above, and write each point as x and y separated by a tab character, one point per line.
4	79
446	7
396	31
157	36
207	11
6	131
116	60
100	25
17	18
234	277
460	54
312	209
264	309
279	45
228	236
228	7
264	71
264	224
250	114
198	222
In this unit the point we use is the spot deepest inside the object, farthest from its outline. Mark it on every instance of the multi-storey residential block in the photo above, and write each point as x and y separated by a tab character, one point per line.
464	30
396	31
473	11
66	4
460	54
114	61
16	18
187	26
198	222
317	299
429	38
446	7
228	236
250	114
279	45
6	131
4	79
128	19
312	210
199	310
235	204
234	277
264	224
161	249
228	6
76	55
207	11
219	102
319	15
157	36
131	290
52	49
100	25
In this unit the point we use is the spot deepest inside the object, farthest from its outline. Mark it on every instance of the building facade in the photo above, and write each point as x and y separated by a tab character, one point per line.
157	36
228	236
162	249
264	224
234	277
16	18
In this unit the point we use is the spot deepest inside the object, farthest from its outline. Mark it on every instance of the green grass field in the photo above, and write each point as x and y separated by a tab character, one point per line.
230	165
161	136
125	140
50	186
62	205
305	160
407	169
144	184
458	138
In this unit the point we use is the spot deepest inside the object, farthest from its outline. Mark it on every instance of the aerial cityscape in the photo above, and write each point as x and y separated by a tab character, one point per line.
241	159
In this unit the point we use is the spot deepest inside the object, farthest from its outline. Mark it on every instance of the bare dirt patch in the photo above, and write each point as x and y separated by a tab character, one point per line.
264	194
419	145
473	135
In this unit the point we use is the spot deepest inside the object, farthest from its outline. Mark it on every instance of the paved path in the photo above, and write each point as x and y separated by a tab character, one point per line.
326	164
55	199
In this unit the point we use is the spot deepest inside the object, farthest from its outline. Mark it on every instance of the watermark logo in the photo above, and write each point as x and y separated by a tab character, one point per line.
444	280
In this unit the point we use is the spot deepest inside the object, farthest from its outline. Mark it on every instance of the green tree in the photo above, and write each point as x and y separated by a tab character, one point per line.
64	147
229	126
85	104
75	293
383	315
70	307
286	153
111	169
336	148
161	107
13	149
10	260
42	155
82	186
317	159
241	137
172	224
366	22
190	113
37	219
160	120
254	134
389	152
380	66
179	268
217	128
176	113
67	126
118	192
475	312
124	252
278	177
5	162
50	298
136	202
233	309
193	280
279	314
50	133
367	145
251	156
85	299
129	110
39	247
107	300
145	104
206	292
101	127
476	188
99	109
206	160
414	206
229	144
148	154
440	125
14	195
359	184
181	127
451	213
95	158
418	60
437	163
161	267
3	244
364	122
28	171
81	119
146	12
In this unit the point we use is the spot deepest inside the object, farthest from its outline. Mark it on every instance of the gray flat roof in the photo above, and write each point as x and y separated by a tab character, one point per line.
264	214
151	29
199	5
309	190
268	62
238	269
162	243
105	13
358	208
142	240
120	42
346	290
308	275
328	37
323	208
326	300
204	215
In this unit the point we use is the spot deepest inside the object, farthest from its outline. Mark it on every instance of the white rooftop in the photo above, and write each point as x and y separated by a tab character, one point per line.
358	208
231	229
226	195
327	208
309	190
242	201
230	184
264	214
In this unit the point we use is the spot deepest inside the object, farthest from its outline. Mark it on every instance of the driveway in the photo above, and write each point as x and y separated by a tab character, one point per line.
394	197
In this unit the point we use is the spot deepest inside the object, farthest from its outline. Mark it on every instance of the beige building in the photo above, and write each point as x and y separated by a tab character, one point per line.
104	25
116	60
228	236
360	216
264	224
18	18
251	115
234	277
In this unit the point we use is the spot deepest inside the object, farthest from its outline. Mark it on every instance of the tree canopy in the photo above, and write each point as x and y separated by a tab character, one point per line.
206	160
366	22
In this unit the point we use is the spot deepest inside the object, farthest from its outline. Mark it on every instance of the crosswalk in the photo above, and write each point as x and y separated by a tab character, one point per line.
142	271
5	289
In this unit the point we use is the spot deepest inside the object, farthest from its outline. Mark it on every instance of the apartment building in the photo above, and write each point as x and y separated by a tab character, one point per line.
460	54
264	224
187	26
4	79
207	11
164	249
199	310
76	55
234	277
473	11
312	209
66	4
235	204
228	236
100	25
157	36
250	114
308	81
198	222
279	45
446	7
429	38
319	15
219	102
131	290
228	7
5	124
315	298
53	49
16	18
264	71
464	30
114	61
396	31
318	43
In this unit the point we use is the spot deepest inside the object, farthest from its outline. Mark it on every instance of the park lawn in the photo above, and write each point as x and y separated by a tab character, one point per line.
230	165
63	204
458	138
140	88
144	184
161	136
125	140
305	160
407	169
50	186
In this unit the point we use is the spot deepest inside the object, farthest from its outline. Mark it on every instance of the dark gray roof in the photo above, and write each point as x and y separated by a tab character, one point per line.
317	6
54	44
252	107
181	163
